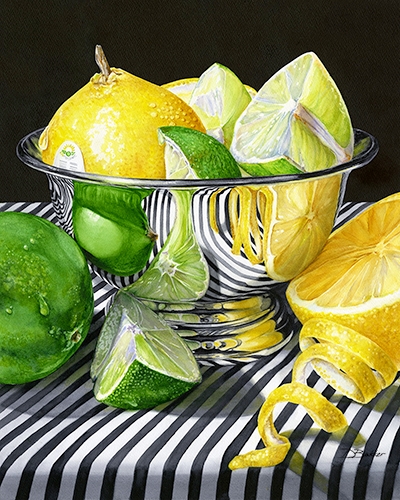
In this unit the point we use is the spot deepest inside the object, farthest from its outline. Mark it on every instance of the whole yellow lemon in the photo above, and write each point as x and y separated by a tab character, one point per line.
110	125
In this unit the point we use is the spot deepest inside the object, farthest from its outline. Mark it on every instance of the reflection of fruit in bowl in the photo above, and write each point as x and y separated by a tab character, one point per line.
266	171
231	274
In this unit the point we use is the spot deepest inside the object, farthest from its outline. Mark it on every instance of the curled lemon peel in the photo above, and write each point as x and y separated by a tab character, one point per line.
244	226
325	414
351	363
260	337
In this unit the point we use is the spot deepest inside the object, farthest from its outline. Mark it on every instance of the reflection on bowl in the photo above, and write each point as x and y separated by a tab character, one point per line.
231	220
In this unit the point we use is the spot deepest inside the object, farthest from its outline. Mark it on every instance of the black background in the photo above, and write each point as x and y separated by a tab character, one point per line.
47	53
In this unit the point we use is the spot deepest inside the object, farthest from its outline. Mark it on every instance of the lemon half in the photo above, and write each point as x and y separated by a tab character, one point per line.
355	281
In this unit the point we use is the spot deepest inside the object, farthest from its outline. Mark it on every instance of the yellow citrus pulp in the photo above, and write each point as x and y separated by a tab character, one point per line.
113	120
355	281
348	300
296	220
297	118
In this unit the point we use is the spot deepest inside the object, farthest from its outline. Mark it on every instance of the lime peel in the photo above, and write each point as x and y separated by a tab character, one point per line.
191	154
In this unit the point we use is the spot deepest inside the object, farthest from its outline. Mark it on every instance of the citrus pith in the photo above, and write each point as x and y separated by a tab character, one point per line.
219	98
298	113
139	361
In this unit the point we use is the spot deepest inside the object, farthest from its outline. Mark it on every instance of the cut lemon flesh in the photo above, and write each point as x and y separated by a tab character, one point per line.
355	281
139	361
298	218
299	113
348	300
350	362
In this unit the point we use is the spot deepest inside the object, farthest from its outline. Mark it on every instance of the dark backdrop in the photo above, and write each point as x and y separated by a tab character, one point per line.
47	53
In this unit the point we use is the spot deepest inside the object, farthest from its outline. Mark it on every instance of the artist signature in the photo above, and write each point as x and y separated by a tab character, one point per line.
358	453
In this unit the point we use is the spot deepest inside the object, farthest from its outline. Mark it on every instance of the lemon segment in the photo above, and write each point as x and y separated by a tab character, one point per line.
355	281
218	98
297	219
285	226
298	113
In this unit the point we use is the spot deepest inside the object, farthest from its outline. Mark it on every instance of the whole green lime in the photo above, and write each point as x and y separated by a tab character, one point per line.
46	297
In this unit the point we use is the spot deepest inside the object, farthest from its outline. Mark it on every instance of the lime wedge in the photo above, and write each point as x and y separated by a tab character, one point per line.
299	114
218	99
179	271
195	155
139	361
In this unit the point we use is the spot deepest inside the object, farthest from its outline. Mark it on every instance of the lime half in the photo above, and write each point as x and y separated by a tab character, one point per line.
299	114
139	361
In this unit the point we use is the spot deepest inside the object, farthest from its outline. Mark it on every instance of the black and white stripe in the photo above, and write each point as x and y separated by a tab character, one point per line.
58	443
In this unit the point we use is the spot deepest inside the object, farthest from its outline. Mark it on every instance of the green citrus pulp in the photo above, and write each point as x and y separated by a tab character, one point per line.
46	297
179	271
219	98
139	361
299	114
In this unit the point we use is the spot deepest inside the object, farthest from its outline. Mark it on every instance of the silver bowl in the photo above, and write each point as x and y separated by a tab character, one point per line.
212	323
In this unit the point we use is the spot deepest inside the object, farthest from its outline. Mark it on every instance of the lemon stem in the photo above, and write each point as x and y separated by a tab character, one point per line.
102	62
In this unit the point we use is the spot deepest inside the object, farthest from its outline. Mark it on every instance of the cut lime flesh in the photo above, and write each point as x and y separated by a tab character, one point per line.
218	98
139	361
143	388
298	113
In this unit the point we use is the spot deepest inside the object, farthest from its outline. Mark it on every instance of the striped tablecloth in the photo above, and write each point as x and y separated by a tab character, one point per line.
58	443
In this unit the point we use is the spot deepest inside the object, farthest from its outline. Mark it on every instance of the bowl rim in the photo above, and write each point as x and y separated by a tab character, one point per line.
27	147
